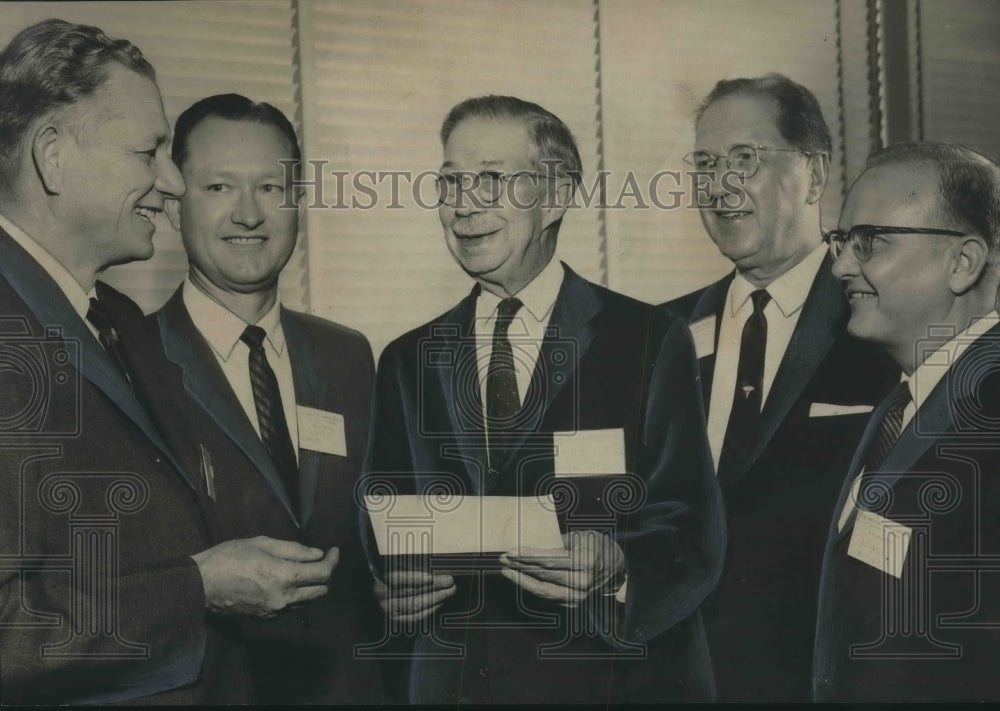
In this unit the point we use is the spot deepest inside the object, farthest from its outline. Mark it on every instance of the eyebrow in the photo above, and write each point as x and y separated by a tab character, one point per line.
226	173
485	163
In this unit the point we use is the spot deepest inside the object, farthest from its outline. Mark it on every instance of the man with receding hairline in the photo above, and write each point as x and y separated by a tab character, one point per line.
787	390
910	601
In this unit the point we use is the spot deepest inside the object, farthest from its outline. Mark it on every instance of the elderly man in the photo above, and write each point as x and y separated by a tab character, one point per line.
540	382
786	388
288	393
910	604
110	575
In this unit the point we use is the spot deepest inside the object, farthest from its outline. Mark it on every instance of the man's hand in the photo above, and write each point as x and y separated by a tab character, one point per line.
260	577
411	595
590	561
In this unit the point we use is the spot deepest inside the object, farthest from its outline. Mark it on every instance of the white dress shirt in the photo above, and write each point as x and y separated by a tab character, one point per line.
222	329
67	283
923	381
788	295
526	330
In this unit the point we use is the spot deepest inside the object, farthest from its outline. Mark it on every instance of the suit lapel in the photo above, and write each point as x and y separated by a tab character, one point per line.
710	306
822	318
312	389
464	406
207	385
52	309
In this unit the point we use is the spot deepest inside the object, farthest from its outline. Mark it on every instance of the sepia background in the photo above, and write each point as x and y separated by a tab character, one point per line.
368	83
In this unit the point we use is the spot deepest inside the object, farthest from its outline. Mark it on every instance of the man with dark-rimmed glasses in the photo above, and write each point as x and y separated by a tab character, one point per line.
909	603
786	389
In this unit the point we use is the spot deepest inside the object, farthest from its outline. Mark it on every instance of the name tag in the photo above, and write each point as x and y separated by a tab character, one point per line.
589	453
880	542
321	431
703	333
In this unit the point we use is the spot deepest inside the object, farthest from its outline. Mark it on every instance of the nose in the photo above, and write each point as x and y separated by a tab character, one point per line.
168	178
845	265
246	211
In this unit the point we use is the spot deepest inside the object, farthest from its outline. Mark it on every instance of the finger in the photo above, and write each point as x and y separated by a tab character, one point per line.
575	579
287	550
415	604
545	557
332	557
417	580
307	593
306	574
543	589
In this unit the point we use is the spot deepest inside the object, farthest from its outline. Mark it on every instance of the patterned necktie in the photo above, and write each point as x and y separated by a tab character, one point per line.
107	335
741	431
888	429
503	401
270	413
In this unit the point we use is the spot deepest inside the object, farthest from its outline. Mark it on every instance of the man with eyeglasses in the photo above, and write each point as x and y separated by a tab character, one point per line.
541	383
910	596
787	390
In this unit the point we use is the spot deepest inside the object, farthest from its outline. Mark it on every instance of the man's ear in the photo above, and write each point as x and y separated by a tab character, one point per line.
172	206
557	201
47	146
970	259
819	173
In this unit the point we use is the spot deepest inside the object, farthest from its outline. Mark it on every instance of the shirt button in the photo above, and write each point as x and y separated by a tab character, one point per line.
484	672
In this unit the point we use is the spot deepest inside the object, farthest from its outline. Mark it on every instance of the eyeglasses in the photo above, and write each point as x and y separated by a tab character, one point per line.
861	236
742	158
487	185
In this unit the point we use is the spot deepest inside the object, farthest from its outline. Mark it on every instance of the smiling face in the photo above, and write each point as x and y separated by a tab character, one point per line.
906	285
774	224
505	245
237	235
116	170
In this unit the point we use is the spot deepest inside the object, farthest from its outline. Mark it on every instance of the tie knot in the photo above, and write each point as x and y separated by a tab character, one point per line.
760	299
99	317
253	336
505	313
901	397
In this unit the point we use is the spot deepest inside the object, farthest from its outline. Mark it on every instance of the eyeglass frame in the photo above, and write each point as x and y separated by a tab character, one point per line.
729	166
870	232
473	189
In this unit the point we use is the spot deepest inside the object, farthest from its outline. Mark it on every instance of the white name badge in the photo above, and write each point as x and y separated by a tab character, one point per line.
589	453
703	333
880	542
321	431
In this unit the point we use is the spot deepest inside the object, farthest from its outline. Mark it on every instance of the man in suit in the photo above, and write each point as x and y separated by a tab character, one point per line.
909	607
288	394
109	566
786	389
540	382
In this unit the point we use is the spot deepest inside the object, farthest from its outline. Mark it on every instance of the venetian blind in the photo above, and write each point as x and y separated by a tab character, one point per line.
658	61
378	79
197	49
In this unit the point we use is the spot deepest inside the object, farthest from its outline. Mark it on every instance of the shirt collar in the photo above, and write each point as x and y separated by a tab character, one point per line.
538	296
788	291
67	283
222	328
929	373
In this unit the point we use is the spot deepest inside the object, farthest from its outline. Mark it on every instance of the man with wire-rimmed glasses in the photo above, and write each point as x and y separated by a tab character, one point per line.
909	600
540	383
786	389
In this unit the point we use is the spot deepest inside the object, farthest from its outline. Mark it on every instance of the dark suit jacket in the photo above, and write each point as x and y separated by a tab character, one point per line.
778	499
303	655
933	633
99	598
607	362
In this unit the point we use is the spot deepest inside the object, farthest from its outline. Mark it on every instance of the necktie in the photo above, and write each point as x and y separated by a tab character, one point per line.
503	401
748	396
107	335
270	412
888	429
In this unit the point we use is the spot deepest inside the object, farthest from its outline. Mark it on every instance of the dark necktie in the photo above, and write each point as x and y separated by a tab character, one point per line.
108	336
744	418
502	399
888	429
270	413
